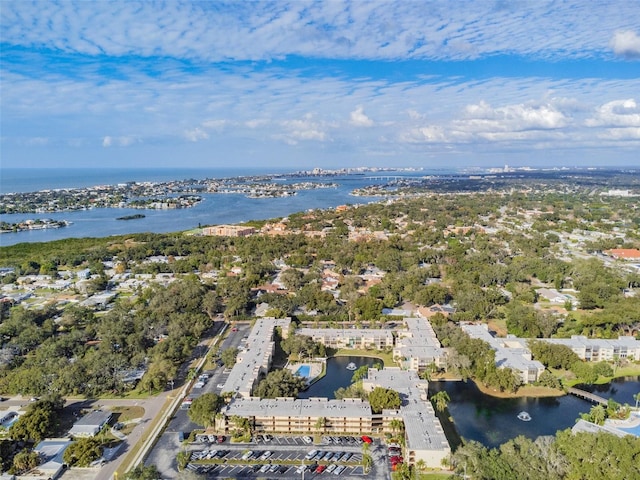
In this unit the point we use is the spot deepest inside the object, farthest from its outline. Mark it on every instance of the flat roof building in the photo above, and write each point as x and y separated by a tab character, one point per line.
349	337
511	352
90	424
256	357
598	349
417	347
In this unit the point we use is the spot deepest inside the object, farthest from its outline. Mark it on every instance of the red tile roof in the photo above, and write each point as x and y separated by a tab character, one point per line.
624	253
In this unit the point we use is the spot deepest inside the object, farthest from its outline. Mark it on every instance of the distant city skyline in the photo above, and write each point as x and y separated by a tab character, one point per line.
329	84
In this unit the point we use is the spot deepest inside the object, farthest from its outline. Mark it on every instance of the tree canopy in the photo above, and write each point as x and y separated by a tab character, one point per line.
280	383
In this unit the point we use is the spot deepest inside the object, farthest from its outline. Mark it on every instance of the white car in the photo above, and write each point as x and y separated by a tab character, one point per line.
307	439
265	455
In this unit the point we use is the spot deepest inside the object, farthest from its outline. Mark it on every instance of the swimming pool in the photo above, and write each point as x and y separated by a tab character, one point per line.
304	371
633	431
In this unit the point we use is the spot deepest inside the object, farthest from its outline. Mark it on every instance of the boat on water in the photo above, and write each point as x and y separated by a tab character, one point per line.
351	366
524	416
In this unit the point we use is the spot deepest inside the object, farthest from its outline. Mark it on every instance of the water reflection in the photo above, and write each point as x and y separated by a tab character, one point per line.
337	376
493	421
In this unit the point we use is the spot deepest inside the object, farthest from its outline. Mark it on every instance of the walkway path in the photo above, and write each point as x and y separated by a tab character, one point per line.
592	397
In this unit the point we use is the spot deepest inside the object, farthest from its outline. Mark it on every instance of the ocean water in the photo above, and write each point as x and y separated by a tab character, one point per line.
215	209
14	180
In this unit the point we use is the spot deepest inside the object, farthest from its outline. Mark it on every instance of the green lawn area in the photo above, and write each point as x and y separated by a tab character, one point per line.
387	358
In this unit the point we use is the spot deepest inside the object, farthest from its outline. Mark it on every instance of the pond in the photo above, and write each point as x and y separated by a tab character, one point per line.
337	376
493	421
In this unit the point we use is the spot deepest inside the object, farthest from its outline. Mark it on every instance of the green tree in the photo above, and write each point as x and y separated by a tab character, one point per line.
360	374
203	409
142	472
39	422
384	398
228	356
440	400
25	460
280	383
82	452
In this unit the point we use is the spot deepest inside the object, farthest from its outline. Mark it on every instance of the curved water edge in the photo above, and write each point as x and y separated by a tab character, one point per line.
337	376
493	421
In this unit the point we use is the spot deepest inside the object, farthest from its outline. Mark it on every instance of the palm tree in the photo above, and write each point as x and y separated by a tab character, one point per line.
636	397
396	425
367	461
440	400
598	414
320	423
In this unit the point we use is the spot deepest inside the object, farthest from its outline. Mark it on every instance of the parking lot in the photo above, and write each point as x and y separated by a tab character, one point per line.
270	456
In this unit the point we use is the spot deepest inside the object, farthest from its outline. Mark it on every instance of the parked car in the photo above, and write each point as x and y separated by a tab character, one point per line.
307	439
265	455
247	455
366	439
339	470
221	438
310	454
320	468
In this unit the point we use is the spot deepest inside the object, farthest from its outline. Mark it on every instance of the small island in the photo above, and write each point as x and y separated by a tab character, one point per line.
131	217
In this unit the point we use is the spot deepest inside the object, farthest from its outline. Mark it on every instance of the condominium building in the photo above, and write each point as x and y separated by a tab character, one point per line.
417	347
349	337
511	352
256	357
424	436
228	231
598	349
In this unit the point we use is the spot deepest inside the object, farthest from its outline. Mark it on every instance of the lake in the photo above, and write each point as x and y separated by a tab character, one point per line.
337	376
493	421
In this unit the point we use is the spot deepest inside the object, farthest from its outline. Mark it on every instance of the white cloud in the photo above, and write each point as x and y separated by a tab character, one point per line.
303	129
617	113
123	141
626	43
196	134
385	29
631	133
359	119
483	117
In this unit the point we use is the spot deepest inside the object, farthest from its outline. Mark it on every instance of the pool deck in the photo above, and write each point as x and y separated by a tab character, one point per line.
630	423
315	369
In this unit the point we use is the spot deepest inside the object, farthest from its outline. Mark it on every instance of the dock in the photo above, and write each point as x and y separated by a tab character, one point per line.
592	397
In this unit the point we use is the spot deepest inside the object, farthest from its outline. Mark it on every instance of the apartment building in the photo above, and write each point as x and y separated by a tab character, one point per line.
417	347
350	337
598	349
228	231
511	352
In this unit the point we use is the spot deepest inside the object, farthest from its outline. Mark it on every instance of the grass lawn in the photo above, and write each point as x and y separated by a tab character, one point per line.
125	413
387	358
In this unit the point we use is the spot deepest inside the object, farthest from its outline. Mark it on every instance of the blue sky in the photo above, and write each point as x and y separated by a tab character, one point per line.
328	84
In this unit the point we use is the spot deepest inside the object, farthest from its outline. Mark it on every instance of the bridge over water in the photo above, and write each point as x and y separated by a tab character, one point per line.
592	397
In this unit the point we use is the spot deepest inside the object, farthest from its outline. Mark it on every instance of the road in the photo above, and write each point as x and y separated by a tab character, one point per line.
163	454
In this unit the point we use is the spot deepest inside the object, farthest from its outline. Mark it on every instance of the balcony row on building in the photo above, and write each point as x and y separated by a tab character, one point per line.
424	437
513	352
